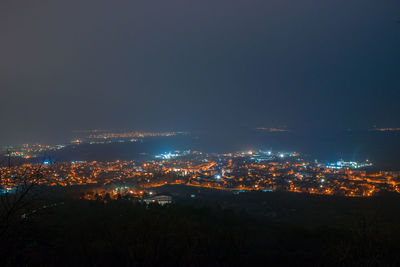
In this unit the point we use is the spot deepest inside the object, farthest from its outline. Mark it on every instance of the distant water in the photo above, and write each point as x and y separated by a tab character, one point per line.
382	148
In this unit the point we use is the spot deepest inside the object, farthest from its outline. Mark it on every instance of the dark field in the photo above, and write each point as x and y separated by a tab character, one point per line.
212	229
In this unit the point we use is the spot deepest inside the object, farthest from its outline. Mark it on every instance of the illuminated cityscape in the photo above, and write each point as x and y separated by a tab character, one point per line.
236	172
199	133
28	151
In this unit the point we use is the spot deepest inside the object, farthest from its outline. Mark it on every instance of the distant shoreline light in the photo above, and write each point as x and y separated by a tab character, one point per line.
385	129
271	130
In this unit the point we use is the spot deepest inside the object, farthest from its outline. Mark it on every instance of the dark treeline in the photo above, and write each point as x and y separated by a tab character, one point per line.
127	233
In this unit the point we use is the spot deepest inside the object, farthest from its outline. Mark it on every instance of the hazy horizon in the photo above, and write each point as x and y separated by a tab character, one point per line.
197	66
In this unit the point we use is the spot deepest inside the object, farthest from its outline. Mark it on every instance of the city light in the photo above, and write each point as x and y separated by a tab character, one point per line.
234	171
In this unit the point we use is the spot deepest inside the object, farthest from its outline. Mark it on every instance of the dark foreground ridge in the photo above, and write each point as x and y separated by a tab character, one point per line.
127	233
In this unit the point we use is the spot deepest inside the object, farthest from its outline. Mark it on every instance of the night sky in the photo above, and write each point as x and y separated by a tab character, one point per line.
197	65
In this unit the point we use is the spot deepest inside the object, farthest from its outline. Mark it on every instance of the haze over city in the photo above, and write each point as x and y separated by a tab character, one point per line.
197	65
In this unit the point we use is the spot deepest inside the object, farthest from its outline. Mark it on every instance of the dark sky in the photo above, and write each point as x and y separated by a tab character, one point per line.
191	65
